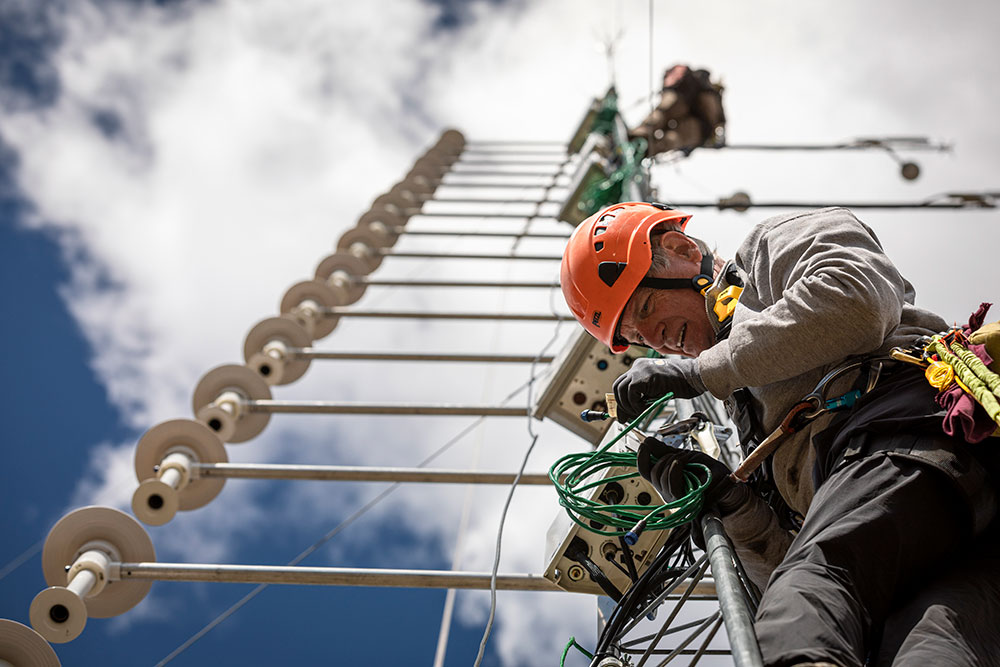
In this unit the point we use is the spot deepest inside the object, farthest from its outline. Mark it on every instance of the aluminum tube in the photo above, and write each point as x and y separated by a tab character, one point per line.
437	255
321	407
339	576
852	205
510	163
362	474
505	186
512	174
514	216
415	315
733	604
359	280
330	576
83	582
457	232
310	353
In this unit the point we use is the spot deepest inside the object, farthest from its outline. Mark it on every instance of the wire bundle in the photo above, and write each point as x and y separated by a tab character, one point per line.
576	474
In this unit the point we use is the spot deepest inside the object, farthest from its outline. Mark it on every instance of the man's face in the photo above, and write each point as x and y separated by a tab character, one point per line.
670	321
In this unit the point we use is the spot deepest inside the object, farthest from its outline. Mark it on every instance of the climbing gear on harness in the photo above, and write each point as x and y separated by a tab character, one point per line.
970	372
809	408
608	257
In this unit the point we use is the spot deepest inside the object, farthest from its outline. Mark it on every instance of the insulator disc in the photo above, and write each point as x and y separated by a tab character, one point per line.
22	646
386	217
349	264
452	137
404	201
431	172
324	294
88	524
157	442
243	380
371	255
284	329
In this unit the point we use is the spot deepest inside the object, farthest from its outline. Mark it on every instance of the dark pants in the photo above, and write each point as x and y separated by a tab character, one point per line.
879	552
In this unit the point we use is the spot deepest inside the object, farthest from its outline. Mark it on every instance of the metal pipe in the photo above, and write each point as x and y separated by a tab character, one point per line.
416	315
742	205
361	474
900	143
517	174
375	282
475	200
732	602
407	232
510	163
515	216
339	576
396	253
490	143
330	576
552	152
488	186
310	353
329	408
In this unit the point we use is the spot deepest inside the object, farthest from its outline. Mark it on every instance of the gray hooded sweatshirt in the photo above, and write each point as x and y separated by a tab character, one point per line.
818	290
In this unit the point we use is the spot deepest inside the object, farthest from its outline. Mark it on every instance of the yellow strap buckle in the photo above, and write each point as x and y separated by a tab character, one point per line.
725	303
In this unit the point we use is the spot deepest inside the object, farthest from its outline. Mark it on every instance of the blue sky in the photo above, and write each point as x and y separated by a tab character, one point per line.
170	169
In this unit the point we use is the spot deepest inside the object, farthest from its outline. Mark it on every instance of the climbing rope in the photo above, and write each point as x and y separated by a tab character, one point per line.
970	372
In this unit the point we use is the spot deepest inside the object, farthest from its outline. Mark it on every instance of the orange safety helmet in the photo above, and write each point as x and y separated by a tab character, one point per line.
607	258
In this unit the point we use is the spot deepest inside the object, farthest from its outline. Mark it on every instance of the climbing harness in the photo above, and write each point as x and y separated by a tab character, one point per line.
812	405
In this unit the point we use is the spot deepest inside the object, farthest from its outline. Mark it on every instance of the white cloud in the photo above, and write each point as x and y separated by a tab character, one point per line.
251	135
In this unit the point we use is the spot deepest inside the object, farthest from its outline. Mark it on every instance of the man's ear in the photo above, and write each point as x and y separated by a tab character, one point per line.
679	244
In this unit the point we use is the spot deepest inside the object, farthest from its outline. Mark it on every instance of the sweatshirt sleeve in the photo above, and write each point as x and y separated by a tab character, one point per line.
821	288
759	540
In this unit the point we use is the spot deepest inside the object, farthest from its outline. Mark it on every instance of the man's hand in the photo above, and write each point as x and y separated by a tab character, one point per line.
649	379
663	466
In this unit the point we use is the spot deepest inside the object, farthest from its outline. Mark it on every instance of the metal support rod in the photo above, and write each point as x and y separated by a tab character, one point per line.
340	576
898	143
375	282
475	200
551	152
510	163
732	602
438	255
516	216
511	174
416	315
330	576
986	202
328	408
361	474
310	353
538	235
492	143
490	186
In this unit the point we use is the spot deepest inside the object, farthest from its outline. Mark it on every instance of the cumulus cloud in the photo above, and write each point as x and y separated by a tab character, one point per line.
198	161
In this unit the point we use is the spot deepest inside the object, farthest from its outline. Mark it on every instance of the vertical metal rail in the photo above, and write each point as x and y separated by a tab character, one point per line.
732	600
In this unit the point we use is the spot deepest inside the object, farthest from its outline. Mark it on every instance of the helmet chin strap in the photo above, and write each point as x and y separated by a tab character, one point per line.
699	283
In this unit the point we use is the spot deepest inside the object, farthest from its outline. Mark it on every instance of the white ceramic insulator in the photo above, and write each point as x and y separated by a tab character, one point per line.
163	509
361	250
58	614
340	279
231	403
276	349
89	573
175	469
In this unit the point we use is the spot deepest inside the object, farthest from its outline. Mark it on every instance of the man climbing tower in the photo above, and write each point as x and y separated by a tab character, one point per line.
871	532
689	113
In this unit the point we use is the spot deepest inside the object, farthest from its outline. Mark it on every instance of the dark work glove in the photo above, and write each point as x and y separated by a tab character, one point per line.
649	379
663	466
